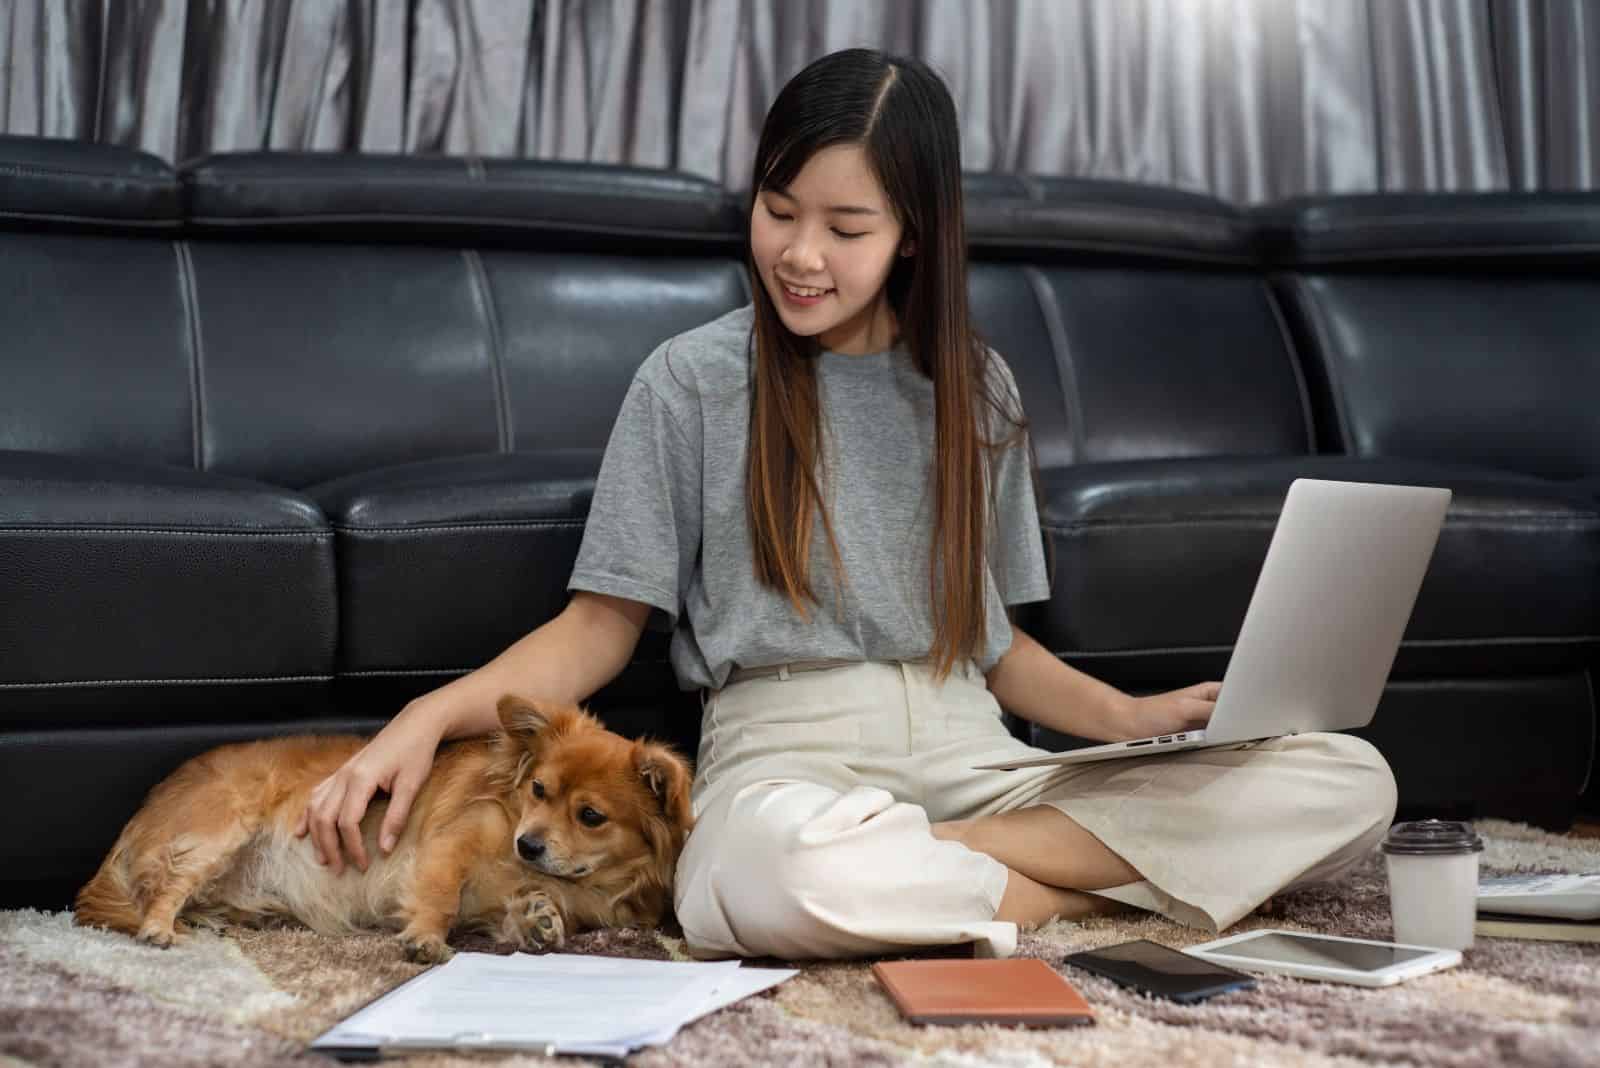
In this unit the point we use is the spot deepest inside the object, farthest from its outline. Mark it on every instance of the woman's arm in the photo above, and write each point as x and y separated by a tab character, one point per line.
1031	682
564	661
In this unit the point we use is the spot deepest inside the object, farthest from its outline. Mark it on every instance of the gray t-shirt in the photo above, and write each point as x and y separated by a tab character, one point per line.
667	526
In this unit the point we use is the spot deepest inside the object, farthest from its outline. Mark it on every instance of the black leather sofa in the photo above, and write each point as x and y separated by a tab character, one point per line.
286	440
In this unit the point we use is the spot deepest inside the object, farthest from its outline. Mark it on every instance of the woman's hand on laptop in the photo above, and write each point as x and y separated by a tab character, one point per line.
1168	713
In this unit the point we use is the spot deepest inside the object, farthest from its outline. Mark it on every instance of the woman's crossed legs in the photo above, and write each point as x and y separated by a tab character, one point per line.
816	863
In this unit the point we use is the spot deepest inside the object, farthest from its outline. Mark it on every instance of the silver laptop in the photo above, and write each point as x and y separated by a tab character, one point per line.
1324	623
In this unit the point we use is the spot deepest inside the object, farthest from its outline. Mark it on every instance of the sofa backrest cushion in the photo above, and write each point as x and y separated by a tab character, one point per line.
1455	230
96	347
572	330
1456	328
325	314
317	360
323	359
1133	320
55	183
1124	363
1036	215
535	203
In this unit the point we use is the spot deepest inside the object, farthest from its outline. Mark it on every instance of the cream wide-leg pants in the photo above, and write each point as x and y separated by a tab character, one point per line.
814	791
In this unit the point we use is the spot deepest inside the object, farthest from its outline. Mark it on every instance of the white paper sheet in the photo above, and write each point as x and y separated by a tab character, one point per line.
555	1002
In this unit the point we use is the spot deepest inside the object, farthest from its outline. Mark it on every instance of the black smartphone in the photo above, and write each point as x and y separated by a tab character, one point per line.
1156	969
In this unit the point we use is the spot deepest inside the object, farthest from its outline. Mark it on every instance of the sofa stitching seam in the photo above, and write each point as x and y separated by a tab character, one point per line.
1330	363
30	170
1066	371
204	680
1308	419
430	528
197	383
179	531
486	305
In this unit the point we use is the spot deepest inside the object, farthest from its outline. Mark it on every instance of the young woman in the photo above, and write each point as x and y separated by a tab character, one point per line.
828	496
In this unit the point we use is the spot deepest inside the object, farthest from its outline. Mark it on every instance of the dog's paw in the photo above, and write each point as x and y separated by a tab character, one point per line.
425	948
533	920
164	937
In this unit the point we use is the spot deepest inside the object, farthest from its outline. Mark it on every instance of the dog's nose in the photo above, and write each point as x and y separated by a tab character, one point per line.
529	848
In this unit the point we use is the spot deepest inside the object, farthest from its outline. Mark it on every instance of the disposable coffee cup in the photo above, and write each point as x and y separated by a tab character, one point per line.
1433	882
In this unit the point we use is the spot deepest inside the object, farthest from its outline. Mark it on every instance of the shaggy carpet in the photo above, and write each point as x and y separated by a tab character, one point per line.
70	996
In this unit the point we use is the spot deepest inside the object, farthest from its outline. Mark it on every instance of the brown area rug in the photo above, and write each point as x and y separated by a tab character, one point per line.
70	996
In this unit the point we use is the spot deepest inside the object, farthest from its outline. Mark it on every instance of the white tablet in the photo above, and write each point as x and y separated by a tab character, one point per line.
1327	957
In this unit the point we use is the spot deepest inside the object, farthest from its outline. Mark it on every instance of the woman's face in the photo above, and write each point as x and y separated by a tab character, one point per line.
824	247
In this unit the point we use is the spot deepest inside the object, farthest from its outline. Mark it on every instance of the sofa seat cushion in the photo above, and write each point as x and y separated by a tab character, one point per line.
443	563
1154	564
139	575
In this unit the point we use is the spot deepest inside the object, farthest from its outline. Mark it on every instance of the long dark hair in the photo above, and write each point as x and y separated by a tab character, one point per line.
902	116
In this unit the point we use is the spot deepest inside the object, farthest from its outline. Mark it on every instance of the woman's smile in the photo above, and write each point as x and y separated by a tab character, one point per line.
802	296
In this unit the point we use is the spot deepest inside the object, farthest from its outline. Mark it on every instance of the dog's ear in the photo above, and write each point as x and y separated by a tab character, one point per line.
666	775
523	718
524	724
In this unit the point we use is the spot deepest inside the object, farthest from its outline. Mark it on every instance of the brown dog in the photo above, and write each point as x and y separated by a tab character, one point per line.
552	826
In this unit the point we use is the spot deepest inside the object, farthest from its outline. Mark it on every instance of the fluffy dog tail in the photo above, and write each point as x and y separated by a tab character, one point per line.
107	900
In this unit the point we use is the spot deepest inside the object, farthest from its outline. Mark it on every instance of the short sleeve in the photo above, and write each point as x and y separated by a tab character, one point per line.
1016	545
642	537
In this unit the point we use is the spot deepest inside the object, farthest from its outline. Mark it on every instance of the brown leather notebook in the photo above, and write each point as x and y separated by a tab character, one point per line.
1014	990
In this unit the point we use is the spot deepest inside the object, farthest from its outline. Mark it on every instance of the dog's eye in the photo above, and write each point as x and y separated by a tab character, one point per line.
538	788
590	817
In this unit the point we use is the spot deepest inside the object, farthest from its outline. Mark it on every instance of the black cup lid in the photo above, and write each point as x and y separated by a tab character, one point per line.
1432	837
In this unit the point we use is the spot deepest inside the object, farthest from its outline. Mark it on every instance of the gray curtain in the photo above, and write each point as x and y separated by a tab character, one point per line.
1247	99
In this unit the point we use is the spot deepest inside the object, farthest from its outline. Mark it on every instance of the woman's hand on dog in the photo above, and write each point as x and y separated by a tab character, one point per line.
397	761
